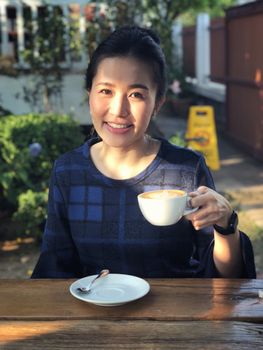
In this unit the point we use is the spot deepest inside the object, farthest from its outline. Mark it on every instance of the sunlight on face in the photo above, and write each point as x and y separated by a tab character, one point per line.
122	100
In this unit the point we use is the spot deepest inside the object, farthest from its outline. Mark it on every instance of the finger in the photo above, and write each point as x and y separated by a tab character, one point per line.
202	223
205	216
203	189
199	214
190	216
193	194
206	210
197	192
200	200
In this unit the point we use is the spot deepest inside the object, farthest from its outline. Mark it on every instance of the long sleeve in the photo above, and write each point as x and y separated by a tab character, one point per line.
58	258
94	222
205	242
207	267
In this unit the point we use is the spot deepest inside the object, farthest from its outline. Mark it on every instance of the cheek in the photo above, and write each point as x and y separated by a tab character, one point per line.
97	106
143	111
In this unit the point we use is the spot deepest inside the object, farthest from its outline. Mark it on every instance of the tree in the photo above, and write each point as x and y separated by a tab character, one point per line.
160	15
217	10
45	50
46	46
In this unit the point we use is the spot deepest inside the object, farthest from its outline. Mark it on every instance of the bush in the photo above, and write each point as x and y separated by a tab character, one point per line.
29	144
178	140
32	211
7	64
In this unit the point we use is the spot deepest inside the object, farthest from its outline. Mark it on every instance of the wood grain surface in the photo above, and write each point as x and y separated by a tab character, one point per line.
168	299
91	334
198	314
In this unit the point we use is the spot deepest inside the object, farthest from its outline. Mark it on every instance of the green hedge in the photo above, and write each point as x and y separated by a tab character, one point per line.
178	139
24	171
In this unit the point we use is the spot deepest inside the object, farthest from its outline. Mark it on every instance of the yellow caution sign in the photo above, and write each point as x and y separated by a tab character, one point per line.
201	134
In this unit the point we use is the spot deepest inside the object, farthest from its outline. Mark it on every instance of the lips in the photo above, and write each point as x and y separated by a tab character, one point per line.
117	128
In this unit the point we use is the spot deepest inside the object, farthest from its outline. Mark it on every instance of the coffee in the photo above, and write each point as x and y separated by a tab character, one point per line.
163	207
163	194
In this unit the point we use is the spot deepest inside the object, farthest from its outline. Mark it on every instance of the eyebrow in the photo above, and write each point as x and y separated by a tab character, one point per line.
132	86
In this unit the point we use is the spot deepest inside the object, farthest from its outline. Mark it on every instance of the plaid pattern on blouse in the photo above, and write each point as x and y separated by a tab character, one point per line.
94	222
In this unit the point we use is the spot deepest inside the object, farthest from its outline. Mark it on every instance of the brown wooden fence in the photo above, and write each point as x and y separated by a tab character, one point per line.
236	44
244	72
189	42
217	47
217	42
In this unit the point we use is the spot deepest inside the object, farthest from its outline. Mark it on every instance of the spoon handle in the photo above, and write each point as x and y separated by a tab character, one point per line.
101	274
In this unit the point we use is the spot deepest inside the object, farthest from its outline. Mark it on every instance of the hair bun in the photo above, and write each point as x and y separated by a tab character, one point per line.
146	31
153	35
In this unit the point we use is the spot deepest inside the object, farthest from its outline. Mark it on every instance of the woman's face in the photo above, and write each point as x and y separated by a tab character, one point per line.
122	100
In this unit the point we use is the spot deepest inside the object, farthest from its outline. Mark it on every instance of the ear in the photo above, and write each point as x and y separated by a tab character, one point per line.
158	105
88	93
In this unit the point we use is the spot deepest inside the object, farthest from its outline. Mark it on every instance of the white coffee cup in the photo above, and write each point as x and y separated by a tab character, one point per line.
164	207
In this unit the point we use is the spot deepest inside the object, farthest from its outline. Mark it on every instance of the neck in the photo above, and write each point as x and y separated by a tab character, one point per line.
120	163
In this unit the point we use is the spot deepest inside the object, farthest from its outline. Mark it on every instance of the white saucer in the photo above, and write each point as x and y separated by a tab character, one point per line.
112	290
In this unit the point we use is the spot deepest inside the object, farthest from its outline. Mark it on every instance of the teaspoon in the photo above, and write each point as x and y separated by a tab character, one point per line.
102	273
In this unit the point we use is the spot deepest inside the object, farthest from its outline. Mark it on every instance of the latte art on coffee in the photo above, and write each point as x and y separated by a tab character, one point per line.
163	194
164	207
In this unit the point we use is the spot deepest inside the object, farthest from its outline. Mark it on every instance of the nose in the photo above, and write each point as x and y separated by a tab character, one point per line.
120	106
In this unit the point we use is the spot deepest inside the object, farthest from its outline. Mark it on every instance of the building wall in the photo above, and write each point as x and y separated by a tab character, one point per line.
74	96
12	26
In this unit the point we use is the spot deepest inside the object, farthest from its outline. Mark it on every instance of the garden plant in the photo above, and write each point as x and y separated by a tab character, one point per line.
29	144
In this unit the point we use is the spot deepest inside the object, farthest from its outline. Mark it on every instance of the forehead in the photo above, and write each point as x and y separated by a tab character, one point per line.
126	70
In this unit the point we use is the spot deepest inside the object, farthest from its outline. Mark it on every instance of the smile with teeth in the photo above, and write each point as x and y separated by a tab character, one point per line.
119	126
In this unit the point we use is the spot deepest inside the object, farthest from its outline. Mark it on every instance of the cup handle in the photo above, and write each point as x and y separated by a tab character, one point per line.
189	209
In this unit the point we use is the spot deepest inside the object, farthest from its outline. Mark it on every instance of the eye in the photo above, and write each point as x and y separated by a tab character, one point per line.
137	95
105	91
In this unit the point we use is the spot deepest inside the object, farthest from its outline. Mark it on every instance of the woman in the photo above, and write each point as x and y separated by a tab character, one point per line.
94	221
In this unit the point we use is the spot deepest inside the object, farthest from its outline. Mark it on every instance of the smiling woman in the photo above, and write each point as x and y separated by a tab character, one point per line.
122	102
94	221
122	96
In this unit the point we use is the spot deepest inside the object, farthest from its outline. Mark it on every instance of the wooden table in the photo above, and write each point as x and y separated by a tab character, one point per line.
176	314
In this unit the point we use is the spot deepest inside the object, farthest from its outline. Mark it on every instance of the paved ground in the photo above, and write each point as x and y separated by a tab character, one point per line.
240	175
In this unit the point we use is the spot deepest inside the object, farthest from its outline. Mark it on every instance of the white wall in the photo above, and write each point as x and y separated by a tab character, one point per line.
74	95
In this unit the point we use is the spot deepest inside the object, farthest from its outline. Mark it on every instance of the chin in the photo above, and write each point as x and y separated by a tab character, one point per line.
119	142
115	143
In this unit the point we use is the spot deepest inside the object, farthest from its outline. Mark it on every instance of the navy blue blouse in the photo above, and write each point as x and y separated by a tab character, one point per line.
94	222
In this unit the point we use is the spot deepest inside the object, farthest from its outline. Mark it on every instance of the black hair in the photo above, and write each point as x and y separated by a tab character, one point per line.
133	41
